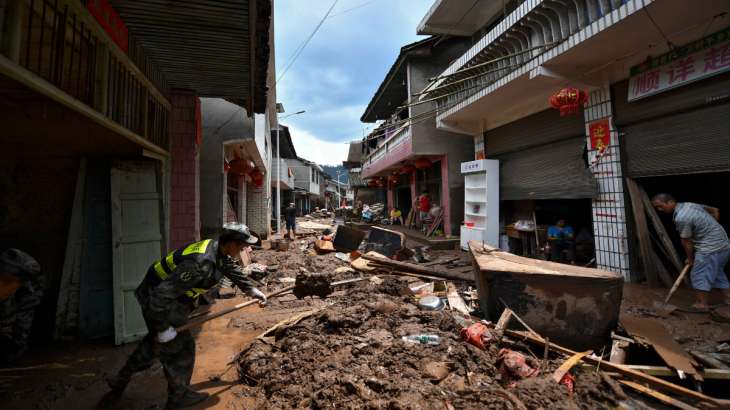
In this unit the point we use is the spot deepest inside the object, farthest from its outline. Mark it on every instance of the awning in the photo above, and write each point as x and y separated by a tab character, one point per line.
215	48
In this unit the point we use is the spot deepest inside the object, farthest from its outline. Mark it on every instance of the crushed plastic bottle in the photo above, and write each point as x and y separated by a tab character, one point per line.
432	340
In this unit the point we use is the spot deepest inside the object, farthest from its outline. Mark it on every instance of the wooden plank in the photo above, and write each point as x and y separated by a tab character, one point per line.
455	301
568	364
409	267
440	261
504	319
646	252
663	371
657	395
664	238
617	368
670	351
708	360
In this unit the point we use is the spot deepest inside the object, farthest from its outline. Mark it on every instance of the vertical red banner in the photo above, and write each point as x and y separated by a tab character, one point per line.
600	134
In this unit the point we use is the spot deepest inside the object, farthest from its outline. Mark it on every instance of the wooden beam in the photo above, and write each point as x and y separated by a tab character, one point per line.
657	395
664	371
664	238
36	83
653	270
409	267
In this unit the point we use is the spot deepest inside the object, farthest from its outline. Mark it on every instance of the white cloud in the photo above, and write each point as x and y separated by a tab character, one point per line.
316	149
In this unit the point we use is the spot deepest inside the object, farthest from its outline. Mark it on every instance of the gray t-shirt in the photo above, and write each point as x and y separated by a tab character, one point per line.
694	222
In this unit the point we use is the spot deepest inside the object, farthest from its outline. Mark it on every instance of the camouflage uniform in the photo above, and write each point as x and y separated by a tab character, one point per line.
167	295
17	311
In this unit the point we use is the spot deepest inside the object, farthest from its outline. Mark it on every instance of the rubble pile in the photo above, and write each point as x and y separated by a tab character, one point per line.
354	354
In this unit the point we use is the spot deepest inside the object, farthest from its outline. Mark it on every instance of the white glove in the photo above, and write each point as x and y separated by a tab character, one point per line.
166	335
255	293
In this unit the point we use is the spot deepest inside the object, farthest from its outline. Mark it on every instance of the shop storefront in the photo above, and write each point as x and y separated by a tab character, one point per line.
673	115
544	177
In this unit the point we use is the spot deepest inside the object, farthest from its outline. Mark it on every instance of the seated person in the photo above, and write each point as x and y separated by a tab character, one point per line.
396	216
561	238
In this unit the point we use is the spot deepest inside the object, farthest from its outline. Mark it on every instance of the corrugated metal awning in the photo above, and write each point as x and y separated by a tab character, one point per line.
215	48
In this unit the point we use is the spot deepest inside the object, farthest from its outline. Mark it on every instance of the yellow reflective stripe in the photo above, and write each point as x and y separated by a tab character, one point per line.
198	247
169	260
195	292
160	270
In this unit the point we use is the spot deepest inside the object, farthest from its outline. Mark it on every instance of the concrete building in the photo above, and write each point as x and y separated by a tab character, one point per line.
235	149
408	135
308	192
102	135
656	114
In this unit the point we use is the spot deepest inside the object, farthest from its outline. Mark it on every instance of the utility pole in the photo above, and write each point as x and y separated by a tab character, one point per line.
279	110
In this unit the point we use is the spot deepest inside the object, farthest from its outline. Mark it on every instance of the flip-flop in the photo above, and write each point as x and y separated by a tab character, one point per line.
694	309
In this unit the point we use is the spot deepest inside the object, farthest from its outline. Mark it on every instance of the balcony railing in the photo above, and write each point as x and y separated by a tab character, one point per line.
59	41
535	27
391	142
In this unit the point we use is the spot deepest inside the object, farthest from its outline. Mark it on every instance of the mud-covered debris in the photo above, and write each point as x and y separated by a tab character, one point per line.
312	284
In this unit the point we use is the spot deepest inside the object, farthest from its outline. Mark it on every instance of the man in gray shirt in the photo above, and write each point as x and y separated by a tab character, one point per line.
706	244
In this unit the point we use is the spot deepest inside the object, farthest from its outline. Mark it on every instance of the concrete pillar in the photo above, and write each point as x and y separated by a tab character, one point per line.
391	199
185	185
609	211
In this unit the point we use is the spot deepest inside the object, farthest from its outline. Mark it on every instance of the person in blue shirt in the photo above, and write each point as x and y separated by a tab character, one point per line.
561	238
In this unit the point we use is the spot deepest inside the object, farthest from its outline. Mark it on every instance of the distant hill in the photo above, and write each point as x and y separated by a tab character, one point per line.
332	170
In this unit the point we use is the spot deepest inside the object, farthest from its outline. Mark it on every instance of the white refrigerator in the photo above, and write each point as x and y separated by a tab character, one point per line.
481	202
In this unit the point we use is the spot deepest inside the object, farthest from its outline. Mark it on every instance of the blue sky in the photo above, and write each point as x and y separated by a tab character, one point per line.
336	75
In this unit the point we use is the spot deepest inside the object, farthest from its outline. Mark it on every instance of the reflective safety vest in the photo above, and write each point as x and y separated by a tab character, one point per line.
200	252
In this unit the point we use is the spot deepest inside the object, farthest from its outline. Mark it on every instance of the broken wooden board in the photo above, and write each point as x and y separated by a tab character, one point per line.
363	264
653	269
623	370
568	364
323	246
657	395
663	343
455	301
574	306
663	371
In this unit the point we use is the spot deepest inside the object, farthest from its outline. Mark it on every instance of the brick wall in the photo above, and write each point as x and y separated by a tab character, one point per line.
609	212
185	186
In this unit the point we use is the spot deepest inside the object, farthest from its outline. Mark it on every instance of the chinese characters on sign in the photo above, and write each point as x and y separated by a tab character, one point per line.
110	22
473	166
701	59
600	134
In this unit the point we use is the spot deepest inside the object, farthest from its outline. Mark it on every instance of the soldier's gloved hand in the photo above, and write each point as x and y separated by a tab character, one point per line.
255	293
166	335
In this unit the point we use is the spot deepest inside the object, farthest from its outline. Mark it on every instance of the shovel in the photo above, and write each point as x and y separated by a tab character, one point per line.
202	319
664	309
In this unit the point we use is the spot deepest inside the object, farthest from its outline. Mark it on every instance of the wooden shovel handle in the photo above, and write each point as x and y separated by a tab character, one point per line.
196	323
677	282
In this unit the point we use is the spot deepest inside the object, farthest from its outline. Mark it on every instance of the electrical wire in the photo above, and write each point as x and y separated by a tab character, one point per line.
304	44
659	29
339	13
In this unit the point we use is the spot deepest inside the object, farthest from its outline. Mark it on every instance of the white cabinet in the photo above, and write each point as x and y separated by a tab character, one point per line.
481	202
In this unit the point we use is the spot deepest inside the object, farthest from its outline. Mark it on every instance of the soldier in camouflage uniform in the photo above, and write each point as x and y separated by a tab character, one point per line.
168	294
21	293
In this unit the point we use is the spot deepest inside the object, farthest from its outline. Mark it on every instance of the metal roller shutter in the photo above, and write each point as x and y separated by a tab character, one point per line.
551	171
691	142
537	129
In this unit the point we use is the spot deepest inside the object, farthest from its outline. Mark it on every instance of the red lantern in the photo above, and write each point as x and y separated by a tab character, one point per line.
406	169
373	183
258	178
226	166
393	179
241	166
422	163
569	100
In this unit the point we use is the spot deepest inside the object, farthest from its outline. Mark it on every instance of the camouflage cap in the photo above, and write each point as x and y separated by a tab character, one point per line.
18	262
